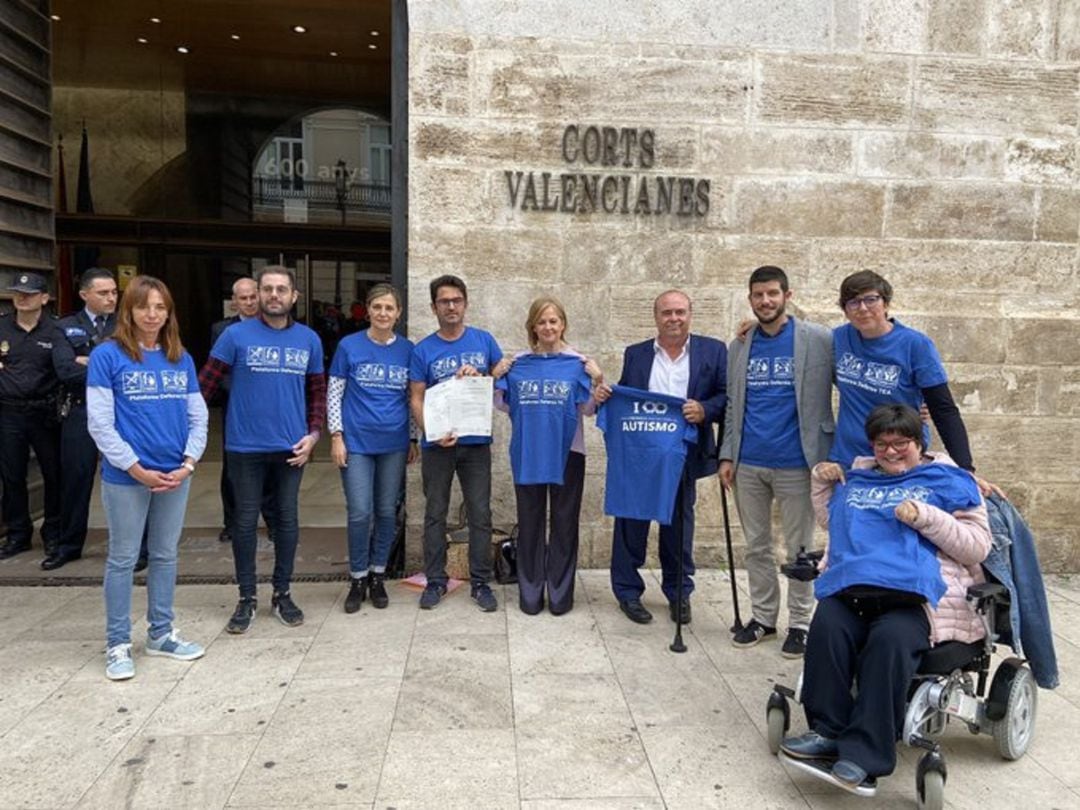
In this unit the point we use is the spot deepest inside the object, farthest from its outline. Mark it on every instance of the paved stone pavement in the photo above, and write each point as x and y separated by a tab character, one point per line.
449	708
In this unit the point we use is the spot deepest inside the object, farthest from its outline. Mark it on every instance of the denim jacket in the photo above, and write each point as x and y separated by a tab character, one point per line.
1014	563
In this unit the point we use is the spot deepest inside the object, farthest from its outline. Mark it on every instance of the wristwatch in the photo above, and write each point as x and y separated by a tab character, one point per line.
187	465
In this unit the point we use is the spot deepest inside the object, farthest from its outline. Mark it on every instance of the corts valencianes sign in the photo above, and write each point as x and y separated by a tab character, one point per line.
596	186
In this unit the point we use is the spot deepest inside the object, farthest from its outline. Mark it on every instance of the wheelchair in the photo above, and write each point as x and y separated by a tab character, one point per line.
950	684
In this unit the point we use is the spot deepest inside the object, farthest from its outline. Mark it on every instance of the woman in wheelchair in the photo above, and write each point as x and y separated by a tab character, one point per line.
907	533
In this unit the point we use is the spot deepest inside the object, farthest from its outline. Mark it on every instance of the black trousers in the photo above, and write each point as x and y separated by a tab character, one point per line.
228	493
854	642
472	465
78	464
547	558
21	429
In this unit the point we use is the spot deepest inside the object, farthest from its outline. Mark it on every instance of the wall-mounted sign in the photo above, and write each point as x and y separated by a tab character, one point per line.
596	184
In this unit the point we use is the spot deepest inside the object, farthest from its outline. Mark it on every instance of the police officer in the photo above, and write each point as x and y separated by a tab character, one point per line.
28	401
80	333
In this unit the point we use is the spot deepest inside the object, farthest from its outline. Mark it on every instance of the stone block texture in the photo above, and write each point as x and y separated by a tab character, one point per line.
934	141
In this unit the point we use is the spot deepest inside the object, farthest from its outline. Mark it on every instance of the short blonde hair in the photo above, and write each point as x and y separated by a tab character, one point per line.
535	310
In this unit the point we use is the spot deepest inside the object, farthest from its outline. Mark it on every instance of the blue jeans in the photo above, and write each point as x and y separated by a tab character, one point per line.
128	510
372	484
249	473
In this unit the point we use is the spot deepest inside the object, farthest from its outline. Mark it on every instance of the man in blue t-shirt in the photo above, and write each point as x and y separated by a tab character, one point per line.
454	350
779	424
692	368
277	404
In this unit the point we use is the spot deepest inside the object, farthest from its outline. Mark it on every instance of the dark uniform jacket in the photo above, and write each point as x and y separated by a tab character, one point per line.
27	378
78	339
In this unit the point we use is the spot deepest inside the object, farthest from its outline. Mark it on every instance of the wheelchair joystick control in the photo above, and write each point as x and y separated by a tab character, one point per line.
805	567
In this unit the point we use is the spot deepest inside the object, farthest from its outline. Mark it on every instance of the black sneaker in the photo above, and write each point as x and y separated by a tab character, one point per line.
482	595
286	610
357	594
379	597
432	595
794	644
752	634
243	616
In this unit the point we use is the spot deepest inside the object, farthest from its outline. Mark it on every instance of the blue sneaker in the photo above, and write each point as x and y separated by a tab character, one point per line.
482	595
172	646
432	595
118	663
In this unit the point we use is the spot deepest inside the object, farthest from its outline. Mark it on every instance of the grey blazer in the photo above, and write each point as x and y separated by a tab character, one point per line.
813	392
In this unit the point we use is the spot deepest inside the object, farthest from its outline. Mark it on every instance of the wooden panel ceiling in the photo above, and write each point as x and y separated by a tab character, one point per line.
95	43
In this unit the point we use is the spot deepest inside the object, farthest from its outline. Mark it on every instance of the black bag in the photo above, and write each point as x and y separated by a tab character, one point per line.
505	562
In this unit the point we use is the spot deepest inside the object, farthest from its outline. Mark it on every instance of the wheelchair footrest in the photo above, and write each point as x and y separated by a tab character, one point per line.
822	769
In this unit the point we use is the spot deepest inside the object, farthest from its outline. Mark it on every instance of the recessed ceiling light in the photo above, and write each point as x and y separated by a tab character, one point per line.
54	17
333	53
142	40
373	46
299	29
374	33
155	20
183	49
234	37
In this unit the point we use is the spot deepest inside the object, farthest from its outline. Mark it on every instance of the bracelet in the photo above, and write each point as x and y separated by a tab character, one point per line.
187	465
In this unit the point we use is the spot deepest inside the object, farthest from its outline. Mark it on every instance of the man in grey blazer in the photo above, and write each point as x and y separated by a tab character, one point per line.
779	424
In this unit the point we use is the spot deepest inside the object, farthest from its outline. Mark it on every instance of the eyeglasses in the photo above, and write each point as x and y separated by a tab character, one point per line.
446	303
868	301
899	445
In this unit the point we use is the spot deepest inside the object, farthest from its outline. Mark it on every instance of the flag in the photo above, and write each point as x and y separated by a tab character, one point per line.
85	256
65	288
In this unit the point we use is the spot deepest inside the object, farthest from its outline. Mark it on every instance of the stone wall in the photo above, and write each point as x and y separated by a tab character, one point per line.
935	142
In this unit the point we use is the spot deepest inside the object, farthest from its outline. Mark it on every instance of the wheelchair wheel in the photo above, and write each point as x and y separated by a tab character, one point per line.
777	721
1014	731
931	791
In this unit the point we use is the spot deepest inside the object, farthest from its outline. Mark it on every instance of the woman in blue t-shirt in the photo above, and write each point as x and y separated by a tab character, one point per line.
877	360
547	560
148	419
368	415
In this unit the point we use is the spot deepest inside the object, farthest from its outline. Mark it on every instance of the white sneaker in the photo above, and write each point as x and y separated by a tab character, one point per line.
172	646
118	663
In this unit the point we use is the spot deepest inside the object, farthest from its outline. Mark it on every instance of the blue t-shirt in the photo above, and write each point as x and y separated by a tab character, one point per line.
267	400
869	546
770	431
150	405
543	392
870	372
647	438
435	360
375	408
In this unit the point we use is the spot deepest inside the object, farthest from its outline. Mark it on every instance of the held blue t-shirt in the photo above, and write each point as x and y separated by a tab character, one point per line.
435	360
870	372
770	430
868	545
150	402
375	407
267	400
544	392
647	438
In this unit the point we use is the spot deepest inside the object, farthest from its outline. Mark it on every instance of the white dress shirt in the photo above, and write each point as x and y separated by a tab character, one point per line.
669	376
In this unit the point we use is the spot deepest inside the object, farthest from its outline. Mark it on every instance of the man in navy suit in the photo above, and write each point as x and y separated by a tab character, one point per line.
694	368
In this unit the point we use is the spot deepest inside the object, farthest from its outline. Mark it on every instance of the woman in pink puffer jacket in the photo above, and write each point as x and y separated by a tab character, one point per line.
907	532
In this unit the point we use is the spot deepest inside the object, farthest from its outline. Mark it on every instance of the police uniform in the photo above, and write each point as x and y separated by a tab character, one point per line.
78	335
28	419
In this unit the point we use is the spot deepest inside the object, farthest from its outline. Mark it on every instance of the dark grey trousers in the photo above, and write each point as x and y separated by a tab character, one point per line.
472	463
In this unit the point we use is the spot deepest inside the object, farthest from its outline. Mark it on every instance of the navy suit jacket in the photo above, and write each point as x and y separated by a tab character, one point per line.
708	385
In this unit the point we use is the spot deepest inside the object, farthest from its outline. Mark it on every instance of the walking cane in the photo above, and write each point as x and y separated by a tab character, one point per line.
677	645
735	628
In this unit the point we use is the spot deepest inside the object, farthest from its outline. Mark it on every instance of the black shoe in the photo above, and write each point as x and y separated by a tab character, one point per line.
379	597
752	633
810	745
635	611
141	563
286	610
11	549
432	595
484	598
243	616
224	536
357	594
58	559
685	611
794	644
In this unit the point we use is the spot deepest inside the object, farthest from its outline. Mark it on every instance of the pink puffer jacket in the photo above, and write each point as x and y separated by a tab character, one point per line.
963	541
